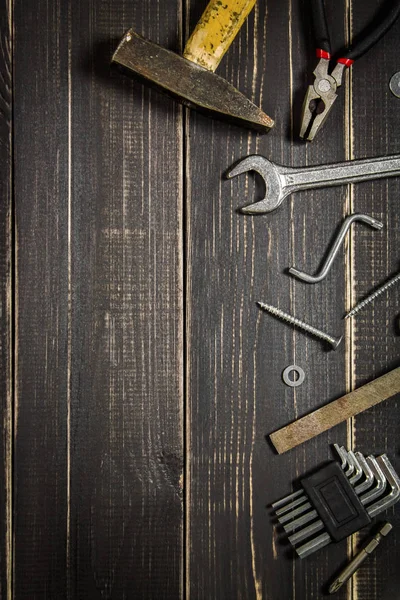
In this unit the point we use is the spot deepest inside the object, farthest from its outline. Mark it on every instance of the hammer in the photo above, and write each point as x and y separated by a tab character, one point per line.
190	78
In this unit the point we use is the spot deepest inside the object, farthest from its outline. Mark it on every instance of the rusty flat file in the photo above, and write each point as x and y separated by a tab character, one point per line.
336	412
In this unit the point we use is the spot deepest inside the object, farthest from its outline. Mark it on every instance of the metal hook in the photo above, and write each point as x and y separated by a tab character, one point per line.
336	247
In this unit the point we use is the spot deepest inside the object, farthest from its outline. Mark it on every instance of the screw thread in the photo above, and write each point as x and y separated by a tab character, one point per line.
334	342
372	297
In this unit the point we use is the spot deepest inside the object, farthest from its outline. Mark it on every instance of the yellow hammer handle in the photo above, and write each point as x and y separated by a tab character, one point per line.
216	30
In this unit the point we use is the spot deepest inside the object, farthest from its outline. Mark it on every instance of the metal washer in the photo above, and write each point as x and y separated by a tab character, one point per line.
394	84
293	382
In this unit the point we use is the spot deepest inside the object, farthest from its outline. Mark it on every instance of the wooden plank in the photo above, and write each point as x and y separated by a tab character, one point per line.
99	301
98	452
375	348
236	353
126	441
42	298
6	309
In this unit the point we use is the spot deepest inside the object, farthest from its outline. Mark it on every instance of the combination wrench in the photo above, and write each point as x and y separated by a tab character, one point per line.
281	181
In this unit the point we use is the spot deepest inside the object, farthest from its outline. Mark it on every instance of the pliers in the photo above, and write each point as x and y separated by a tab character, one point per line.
321	96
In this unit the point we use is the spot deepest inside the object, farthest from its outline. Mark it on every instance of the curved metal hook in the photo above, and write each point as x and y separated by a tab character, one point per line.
336	247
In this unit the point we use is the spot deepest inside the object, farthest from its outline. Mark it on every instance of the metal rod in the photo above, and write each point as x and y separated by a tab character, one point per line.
335	248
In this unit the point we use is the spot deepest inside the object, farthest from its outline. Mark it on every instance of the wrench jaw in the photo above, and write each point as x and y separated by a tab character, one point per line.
274	193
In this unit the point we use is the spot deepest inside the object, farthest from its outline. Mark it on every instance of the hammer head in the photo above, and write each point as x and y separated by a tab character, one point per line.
189	83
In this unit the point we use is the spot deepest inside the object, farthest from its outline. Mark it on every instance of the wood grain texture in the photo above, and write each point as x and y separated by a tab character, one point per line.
236	354
126	272
98	451
42	299
146	379
6	295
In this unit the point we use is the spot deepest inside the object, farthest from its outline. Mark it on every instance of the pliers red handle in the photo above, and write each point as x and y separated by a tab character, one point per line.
321	96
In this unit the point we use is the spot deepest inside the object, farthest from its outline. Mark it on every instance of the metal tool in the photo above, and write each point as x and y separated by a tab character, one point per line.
382	504
281	181
321	96
331	506
371	297
368	474
277	312
335	248
293	382
336	412
348	459
394	84
190	78
348	572
379	480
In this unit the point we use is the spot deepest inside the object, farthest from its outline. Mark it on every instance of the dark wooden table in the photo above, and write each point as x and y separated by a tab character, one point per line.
139	380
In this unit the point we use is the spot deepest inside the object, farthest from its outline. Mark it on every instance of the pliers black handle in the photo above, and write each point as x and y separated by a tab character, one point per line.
323	91
366	40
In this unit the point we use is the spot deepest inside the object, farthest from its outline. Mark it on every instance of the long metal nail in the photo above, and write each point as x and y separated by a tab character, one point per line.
334	342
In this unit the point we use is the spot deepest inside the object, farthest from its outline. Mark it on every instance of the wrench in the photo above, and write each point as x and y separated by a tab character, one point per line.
280	181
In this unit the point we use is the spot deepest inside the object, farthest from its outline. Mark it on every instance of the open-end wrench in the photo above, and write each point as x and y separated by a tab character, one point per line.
281	181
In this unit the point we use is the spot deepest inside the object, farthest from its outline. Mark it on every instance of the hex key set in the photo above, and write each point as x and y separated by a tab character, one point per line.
337	500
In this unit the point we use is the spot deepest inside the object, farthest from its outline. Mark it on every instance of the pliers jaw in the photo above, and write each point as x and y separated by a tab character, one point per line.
320	98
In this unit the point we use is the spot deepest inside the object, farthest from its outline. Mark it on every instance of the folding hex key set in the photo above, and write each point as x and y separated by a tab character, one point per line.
338	500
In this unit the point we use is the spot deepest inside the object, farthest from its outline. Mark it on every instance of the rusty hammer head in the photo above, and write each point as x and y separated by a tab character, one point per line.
190	83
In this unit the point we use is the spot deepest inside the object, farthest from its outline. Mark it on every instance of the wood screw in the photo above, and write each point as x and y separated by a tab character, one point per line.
334	342
372	297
